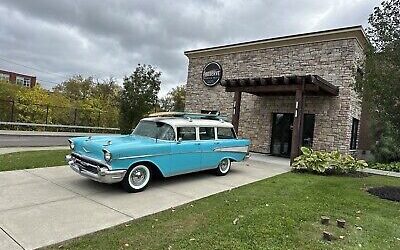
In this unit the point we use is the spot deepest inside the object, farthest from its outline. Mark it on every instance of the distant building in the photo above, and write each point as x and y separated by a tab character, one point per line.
20	79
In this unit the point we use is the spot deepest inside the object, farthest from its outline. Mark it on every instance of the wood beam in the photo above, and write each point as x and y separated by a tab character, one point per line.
298	120
237	99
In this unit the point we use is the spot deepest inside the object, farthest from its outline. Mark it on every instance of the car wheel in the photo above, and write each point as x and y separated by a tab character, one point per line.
136	179
223	167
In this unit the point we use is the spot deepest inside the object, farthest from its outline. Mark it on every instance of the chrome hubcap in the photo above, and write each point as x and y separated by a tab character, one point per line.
139	176
224	165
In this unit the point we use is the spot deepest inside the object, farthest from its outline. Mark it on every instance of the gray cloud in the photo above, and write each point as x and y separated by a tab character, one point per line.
109	38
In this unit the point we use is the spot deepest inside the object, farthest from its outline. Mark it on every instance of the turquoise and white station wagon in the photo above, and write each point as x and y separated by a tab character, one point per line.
166	143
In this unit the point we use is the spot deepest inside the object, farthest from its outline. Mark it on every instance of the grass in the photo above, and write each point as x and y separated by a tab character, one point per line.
32	159
282	212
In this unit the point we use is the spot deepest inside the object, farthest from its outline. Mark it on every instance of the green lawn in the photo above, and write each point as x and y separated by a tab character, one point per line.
32	159
282	212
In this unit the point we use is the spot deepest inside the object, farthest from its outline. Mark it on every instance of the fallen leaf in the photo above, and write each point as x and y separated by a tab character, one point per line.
126	244
359	228
169	247
192	239
191	205
267	205
341	237
127	225
358	218
156	219
359	245
358	212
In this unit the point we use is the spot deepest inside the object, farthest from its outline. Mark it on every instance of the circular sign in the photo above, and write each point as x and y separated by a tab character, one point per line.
212	74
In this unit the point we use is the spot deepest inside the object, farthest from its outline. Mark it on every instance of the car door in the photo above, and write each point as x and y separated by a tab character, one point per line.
186	152
208	144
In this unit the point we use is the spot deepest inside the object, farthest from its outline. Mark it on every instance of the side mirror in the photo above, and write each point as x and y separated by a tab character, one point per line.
179	140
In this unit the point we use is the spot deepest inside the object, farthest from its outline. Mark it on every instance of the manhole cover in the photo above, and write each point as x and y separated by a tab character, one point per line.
386	192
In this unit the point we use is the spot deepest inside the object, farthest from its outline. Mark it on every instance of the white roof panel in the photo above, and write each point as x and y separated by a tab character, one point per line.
184	122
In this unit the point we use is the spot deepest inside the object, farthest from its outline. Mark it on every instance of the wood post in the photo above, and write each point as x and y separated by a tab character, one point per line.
236	110
298	121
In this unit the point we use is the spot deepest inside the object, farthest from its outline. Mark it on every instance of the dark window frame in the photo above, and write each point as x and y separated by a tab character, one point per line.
354	134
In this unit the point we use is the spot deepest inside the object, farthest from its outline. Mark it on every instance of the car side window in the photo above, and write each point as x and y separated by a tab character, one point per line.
225	133
206	133
187	133
167	133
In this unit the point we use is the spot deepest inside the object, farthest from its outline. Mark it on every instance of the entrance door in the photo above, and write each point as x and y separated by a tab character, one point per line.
282	128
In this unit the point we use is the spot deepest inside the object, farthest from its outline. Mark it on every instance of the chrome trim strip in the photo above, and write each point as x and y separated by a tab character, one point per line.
236	149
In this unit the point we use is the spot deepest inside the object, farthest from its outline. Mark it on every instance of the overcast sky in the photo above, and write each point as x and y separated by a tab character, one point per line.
108	38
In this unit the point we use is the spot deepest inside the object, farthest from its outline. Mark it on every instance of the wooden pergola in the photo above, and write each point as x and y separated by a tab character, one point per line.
299	86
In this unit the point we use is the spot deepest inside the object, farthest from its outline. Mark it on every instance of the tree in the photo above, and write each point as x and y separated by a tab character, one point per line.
76	87
174	100
138	96
380	84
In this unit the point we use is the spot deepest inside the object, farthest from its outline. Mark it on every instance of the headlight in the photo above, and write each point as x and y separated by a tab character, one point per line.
71	145
107	155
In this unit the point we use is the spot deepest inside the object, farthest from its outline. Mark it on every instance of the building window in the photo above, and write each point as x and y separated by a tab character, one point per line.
23	81
4	77
354	134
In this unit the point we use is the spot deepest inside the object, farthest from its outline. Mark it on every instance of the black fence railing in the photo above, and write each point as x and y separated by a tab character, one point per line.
17	112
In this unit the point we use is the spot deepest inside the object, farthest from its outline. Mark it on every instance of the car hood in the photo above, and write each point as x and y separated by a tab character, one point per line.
93	146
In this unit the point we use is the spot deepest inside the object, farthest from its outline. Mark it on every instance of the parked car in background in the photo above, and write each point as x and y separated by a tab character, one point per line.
166	143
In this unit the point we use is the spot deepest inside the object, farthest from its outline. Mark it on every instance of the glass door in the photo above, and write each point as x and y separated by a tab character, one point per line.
281	142
282	128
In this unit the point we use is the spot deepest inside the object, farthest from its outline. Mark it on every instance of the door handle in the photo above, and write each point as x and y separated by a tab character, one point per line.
216	143
197	143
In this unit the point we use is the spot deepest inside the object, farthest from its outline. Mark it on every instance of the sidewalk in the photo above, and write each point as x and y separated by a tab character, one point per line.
21	149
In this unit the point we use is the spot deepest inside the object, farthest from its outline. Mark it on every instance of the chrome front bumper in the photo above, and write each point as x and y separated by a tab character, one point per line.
101	175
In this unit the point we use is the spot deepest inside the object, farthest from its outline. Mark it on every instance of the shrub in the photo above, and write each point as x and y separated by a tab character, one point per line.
327	162
394	166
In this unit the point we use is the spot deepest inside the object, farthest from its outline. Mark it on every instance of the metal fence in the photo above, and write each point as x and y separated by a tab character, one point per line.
17	113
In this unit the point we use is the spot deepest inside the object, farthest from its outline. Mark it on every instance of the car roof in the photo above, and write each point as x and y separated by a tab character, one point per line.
185	122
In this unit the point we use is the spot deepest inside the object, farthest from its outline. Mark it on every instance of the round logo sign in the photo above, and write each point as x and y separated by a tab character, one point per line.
212	74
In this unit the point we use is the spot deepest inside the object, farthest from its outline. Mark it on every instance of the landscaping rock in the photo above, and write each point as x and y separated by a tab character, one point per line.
325	220
327	236
341	223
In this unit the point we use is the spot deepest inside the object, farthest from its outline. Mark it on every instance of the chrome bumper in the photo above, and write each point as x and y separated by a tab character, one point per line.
103	174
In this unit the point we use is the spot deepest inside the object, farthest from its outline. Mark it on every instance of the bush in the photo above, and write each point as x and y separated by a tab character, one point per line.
327	162
394	166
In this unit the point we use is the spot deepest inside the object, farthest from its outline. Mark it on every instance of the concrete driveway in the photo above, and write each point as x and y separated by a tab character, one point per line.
39	207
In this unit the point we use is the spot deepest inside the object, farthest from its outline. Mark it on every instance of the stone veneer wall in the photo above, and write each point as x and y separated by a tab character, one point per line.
335	61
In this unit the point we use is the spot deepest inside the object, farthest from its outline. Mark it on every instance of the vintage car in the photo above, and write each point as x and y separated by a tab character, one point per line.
165	144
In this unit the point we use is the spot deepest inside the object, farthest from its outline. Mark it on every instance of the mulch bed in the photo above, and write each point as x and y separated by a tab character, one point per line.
386	192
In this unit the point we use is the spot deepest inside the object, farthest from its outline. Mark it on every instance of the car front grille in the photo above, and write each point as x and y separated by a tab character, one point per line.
87	164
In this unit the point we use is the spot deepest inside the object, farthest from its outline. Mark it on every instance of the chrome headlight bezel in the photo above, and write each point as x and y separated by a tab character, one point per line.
71	144
107	155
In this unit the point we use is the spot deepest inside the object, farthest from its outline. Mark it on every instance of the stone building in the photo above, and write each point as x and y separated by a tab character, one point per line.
284	92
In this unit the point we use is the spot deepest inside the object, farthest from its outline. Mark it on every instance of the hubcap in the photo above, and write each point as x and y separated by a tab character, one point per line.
224	165
139	177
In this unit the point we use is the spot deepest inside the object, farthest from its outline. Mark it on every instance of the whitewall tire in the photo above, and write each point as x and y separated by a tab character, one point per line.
223	167
137	178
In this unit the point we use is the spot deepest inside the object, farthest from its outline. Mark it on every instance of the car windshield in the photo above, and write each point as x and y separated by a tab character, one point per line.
156	130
